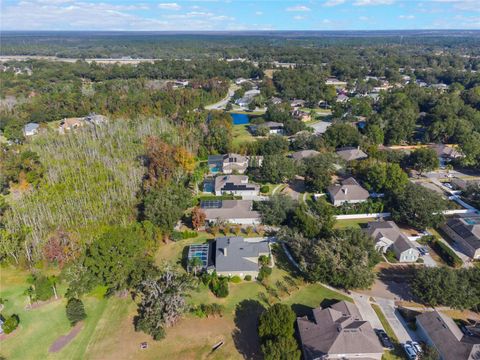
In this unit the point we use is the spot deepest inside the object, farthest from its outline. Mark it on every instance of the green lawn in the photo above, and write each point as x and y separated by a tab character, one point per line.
396	353
352	223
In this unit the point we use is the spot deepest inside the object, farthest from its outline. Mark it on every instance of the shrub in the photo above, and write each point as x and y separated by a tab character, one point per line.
235	279
264	260
264	273
43	288
10	324
390	255
75	311
248	277
189	234
447	254
219	287
264	189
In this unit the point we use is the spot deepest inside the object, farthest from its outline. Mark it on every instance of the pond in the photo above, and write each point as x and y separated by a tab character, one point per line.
240	119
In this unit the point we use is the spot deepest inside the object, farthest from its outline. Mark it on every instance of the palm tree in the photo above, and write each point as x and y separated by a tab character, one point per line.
194	264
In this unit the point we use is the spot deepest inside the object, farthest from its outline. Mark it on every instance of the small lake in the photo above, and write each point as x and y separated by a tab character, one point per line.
240	119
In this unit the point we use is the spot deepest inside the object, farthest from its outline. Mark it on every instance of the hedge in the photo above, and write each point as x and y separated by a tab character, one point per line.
447	254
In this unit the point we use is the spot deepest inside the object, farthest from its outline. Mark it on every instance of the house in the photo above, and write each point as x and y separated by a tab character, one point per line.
68	124
230	211
387	235
374	96
342	98
465	231
247	97
230	256
338	332
235	185
304	154
440	86
228	163
301	115
30	129
348	192
297	103
275	100
335	82
440	331
464	184
273	127
446	153
351	153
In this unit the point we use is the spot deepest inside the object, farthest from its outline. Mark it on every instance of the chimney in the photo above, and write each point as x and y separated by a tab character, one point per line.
224	251
345	190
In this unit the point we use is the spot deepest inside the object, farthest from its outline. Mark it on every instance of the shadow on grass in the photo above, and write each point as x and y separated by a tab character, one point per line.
282	262
245	336
302	310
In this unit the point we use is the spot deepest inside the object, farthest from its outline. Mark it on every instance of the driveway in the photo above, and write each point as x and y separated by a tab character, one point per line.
366	310
399	326
428	261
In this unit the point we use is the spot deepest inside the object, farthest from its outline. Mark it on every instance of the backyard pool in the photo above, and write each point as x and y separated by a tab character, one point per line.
240	119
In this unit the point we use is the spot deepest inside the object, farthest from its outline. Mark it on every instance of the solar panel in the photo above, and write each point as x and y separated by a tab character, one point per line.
211	204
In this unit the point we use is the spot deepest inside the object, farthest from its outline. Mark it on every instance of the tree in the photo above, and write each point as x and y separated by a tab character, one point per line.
424	159
429	353
10	324
61	247
195	263
375	134
339	135
277	169
276	330
273	145
343	259
416	206
318	172
275	210
114	257
198	218
75	311
162	302
165	206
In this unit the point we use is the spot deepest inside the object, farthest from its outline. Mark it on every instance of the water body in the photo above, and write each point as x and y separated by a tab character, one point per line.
240	119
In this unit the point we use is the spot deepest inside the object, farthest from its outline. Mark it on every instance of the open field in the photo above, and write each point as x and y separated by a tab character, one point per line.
241	135
108	331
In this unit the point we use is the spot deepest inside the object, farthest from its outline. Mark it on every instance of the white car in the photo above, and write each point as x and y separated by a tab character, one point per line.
410	351
416	347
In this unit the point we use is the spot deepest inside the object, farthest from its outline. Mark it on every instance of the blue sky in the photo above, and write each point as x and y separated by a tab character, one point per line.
211	15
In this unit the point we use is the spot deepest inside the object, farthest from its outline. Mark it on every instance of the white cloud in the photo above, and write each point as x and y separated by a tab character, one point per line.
298	17
298	8
169	6
407	17
258	13
333	2
326	21
373	2
363	18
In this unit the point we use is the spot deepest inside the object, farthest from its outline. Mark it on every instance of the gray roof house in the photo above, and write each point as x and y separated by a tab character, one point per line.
235	185
237	256
227	163
30	129
348	192
465	231
272	126
387	235
338	332
351	153
304	154
231	211
441	332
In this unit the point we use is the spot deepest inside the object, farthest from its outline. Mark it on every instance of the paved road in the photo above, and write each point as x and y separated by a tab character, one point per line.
222	103
400	328
366	310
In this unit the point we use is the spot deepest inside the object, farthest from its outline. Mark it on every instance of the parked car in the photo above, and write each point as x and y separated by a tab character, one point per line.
416	347
384	339
466	330
411	354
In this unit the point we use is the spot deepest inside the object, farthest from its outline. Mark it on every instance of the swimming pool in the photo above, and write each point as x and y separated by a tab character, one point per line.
240	119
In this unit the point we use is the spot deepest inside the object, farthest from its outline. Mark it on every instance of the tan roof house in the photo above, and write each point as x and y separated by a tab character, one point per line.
349	191
304	154
338	332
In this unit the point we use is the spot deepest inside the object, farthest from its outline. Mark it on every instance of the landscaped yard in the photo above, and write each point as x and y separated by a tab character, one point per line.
352	223
108	331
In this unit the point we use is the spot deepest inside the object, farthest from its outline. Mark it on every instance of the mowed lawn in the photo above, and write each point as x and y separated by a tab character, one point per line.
108	331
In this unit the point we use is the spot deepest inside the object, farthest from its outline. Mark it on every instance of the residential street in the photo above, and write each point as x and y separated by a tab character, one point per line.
222	103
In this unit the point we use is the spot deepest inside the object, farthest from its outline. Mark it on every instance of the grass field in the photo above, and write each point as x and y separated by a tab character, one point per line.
241	135
108	331
351	223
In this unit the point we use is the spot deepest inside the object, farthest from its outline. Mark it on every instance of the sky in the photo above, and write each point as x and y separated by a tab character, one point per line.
231	15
